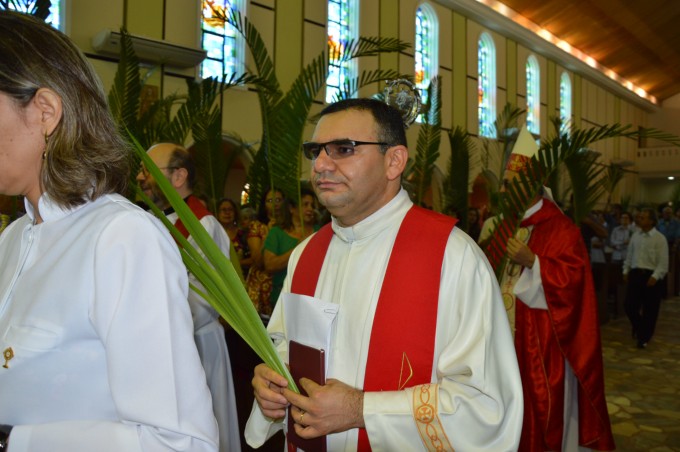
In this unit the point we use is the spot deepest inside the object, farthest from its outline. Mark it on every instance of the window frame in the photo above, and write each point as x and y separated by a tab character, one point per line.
349	69
430	68
237	62
533	94
486	95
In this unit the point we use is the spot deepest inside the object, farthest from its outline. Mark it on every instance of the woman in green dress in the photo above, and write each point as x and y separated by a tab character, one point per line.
284	237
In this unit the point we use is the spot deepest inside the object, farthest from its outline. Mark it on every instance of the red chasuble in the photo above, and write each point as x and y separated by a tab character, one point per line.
568	330
197	208
411	280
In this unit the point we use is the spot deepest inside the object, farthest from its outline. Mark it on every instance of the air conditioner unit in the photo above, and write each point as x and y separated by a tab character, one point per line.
107	42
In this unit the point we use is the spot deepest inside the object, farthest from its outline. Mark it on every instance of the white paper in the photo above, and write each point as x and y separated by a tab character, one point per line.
309	321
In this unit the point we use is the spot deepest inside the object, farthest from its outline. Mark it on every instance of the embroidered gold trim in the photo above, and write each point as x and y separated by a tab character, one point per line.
509	279
425	401
405	360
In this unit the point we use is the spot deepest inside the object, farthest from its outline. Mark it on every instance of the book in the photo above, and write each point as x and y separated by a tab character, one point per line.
306	362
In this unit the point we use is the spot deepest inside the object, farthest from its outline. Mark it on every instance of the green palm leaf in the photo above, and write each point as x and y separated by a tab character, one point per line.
223	288
429	137
351	87
284	114
37	8
127	87
522	192
456	184
367	46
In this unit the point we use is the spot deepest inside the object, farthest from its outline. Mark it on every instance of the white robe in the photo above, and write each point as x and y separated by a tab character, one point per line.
93	305
212	346
480	393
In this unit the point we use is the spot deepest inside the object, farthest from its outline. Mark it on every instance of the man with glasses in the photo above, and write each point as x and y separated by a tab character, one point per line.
421	355
177	164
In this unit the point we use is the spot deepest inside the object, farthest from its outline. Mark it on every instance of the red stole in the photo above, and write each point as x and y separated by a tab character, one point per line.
403	332
197	208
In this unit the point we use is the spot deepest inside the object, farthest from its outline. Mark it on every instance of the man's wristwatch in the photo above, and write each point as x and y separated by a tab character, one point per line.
4	436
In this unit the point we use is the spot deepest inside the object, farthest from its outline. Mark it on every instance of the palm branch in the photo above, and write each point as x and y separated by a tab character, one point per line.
427	147
37	8
222	287
612	177
456	183
587	182
523	191
124	95
495	152
284	114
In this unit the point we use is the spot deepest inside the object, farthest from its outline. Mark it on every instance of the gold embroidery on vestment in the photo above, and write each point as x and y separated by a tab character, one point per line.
425	401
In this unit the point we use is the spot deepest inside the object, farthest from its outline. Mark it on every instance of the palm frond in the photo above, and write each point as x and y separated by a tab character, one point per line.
523	191
429	138
124	97
367	46
587	182
223	288
456	182
37	8
351	87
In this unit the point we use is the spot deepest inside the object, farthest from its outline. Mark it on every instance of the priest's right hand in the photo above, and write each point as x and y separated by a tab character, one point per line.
268	386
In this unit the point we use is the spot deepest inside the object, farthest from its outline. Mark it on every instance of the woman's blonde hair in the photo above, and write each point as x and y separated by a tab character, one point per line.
85	156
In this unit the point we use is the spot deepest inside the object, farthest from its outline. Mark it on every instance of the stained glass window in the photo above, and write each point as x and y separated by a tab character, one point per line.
426	50
565	102
486	85
225	45
342	26
533	95
55	17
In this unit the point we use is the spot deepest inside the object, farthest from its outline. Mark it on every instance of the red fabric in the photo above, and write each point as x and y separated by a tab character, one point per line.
197	208
569	330
411	280
309	266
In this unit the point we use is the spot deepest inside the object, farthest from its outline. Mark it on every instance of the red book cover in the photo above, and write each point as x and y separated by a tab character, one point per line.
307	362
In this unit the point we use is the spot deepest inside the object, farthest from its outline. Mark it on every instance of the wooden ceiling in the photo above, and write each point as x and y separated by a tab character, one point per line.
637	39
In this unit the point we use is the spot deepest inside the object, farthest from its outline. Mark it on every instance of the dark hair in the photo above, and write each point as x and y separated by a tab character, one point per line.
652	214
237	213
388	120
182	158
262	216
85	157
285	218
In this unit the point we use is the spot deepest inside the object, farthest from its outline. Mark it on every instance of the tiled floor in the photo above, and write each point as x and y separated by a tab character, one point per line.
643	385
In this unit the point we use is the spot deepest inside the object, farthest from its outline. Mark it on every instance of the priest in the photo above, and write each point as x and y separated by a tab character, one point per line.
420	354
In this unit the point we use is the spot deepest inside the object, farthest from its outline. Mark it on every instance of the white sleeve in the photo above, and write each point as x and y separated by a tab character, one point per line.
529	287
259	427
479	395
157	383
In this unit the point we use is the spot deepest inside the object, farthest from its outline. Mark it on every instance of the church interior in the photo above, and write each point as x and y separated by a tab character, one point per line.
590	63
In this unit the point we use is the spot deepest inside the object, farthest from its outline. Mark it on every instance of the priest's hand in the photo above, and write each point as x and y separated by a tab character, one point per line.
651	282
269	387
519	253
331	408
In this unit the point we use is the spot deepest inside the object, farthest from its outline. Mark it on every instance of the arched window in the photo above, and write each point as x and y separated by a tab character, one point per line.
426	51
565	103
225	45
343	24
486	85
533	95
56	18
